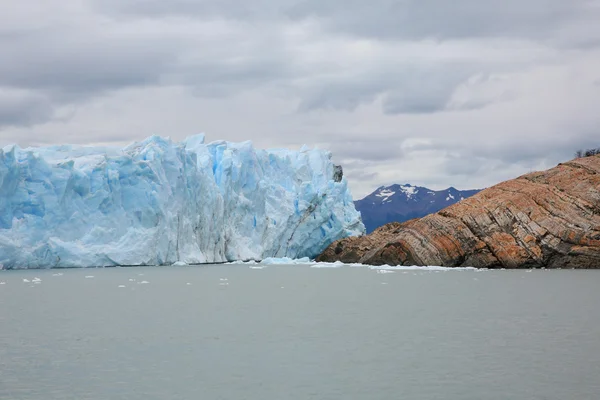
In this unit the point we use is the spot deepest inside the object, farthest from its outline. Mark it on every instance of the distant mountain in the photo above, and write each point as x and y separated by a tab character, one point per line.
399	203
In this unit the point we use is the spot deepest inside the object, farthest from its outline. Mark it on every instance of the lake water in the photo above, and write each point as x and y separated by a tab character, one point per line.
295	332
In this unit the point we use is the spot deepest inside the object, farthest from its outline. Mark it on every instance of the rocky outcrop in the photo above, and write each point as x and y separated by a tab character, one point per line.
543	219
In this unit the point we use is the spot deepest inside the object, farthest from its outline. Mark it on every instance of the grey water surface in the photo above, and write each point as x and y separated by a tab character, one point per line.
295	332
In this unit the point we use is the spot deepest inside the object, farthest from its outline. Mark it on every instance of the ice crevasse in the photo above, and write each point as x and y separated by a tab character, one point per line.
158	202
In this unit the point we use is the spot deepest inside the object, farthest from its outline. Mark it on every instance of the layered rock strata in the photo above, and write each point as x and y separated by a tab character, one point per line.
542	219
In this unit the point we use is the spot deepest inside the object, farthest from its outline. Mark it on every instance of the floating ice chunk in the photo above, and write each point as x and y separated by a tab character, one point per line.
382	269
121	286
58	274
26	280
419	268
179	264
257	267
143	282
238	262
188	283
286	261
337	264
89	276
224	283
36	280
2	283
131	280
223	279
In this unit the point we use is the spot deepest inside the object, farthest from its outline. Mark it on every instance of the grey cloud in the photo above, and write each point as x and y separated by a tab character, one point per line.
480	91
406	89
222	77
461	166
75	62
343	96
470	156
360	174
348	75
53	67
79	62
415	19
205	9
384	19
21	107
375	149
82	59
415	102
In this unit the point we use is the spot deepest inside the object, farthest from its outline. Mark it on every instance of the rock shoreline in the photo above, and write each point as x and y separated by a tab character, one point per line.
547	219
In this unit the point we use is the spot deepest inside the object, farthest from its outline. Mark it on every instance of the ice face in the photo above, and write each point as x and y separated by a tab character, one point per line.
158	202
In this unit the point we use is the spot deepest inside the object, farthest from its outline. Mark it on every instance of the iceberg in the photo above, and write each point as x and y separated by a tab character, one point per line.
158	202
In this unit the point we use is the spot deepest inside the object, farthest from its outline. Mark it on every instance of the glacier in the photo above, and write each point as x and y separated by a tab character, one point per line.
160	202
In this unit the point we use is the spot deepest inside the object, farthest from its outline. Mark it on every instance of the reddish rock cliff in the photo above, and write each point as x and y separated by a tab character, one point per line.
542	219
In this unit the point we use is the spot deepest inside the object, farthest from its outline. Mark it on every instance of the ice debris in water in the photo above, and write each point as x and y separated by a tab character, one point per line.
382	269
158	202
179	264
286	260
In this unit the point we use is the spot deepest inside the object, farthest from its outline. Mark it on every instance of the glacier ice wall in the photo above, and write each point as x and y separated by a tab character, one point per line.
157	202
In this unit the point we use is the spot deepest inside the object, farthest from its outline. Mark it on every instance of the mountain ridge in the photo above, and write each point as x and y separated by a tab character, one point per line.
403	202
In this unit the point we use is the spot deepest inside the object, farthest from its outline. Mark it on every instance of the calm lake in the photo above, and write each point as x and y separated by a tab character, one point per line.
296	332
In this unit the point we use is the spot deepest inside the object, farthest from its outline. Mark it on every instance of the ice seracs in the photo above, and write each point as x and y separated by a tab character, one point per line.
158	202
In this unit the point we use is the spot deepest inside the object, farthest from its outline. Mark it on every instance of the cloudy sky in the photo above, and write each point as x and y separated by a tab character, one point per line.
440	93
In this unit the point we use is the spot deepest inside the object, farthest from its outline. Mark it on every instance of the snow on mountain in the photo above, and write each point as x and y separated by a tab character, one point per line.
385	195
403	202
409	191
159	202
